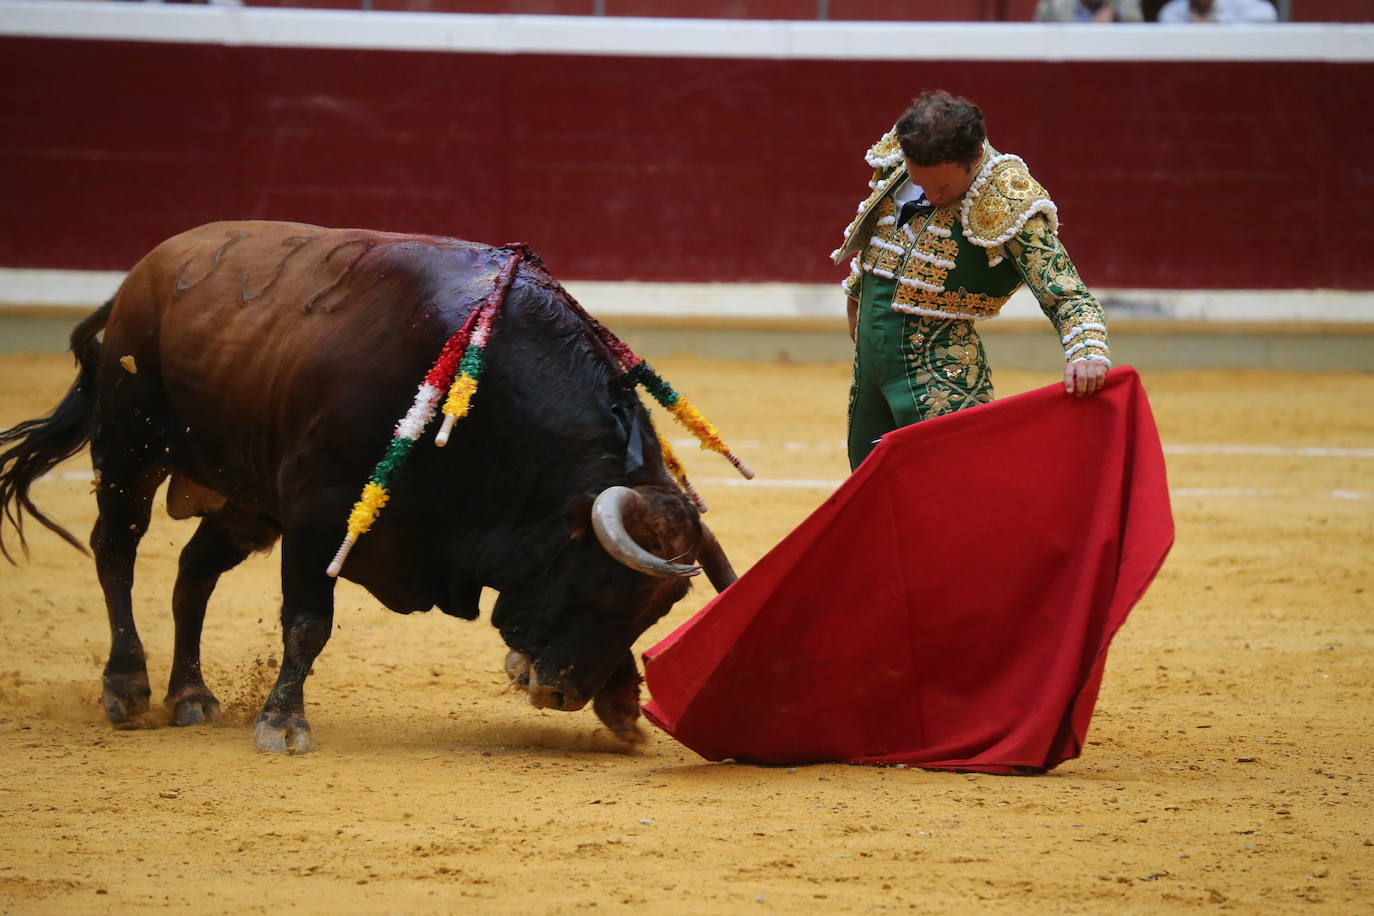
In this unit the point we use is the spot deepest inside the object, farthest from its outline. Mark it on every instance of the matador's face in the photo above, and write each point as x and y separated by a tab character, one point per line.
944	183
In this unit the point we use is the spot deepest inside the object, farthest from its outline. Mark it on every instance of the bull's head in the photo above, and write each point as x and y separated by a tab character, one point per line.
570	633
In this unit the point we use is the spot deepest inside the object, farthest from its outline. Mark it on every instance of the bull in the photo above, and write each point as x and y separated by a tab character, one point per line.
260	366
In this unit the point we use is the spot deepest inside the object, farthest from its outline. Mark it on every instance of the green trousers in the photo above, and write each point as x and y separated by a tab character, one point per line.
908	368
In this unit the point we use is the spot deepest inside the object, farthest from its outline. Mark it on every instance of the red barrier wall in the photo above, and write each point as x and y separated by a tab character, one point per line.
1332	11
1168	175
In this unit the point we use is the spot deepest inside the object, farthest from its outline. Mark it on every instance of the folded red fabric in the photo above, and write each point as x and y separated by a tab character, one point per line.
949	606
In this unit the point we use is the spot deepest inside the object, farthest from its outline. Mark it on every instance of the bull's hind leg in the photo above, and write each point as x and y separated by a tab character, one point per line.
124	496
307	616
224	539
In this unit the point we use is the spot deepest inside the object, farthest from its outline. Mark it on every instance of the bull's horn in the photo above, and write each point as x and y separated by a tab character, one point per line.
713	559
608	520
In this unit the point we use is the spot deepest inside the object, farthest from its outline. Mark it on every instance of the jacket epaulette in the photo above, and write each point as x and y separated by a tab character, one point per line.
1001	200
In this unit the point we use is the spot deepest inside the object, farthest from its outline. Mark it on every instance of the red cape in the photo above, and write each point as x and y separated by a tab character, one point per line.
949	606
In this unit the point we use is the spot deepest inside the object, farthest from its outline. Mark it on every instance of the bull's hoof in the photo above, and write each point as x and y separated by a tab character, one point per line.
193	707
619	712
125	698
617	707
282	734
632	734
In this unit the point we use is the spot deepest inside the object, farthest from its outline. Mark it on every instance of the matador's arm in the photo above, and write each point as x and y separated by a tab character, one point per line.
1051	276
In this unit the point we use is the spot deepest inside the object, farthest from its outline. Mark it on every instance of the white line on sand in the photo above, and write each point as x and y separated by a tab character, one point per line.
822	483
1294	451
818	484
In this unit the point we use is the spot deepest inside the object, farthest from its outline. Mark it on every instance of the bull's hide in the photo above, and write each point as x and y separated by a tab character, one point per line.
263	367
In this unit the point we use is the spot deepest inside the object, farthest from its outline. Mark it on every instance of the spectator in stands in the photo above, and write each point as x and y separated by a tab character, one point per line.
1224	11
1088	11
950	230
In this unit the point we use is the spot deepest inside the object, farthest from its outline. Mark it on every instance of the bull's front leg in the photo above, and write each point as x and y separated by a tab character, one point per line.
307	617
617	703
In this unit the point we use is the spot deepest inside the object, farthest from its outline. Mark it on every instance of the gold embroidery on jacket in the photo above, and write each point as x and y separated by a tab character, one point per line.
924	254
1001	203
885	149
876	257
1062	295
959	304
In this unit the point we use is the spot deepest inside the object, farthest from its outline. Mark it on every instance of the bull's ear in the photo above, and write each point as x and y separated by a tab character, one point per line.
578	515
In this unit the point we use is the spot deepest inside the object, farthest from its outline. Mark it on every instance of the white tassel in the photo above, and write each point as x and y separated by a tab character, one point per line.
420	413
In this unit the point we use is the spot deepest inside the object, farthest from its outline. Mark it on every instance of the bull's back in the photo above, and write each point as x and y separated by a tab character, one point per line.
258	332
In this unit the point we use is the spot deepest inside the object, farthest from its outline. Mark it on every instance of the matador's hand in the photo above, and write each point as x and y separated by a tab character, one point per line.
1085	376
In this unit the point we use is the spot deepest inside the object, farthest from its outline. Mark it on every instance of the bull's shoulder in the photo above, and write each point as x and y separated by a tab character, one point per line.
281	267
256	240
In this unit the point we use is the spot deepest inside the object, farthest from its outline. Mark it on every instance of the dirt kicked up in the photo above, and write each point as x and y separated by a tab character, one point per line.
1228	767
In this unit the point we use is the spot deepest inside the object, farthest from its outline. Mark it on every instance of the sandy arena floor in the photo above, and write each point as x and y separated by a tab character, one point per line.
1229	765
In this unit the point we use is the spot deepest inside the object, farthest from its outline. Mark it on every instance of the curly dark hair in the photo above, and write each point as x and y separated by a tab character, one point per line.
939	127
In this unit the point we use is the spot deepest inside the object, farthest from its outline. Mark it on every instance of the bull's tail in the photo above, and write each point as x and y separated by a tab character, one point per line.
35	447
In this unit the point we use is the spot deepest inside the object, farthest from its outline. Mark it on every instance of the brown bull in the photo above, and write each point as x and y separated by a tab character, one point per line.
262	366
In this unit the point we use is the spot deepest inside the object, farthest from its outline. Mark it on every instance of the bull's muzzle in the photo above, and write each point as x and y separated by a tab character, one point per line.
559	694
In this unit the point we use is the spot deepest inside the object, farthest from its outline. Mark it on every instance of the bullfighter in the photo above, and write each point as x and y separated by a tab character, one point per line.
950	230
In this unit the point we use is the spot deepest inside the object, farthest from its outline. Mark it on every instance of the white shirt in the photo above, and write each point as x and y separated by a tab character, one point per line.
1224	11
909	190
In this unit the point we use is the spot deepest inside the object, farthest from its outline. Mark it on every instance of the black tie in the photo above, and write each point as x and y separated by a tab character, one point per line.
913	207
